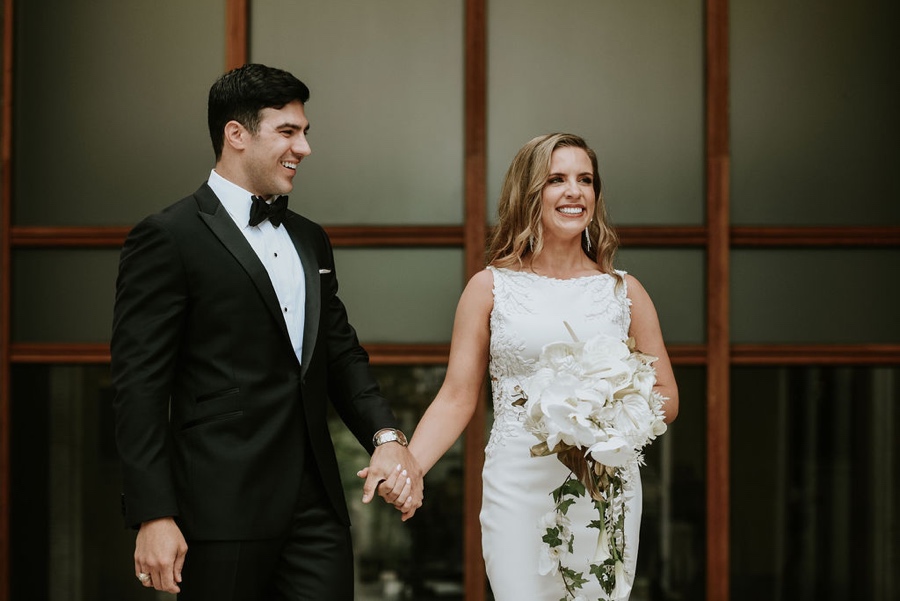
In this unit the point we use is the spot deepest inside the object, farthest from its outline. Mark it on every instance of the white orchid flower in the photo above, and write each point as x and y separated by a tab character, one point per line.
614	452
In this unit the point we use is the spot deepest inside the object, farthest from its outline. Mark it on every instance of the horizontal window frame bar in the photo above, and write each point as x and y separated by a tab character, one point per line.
438	354
393	236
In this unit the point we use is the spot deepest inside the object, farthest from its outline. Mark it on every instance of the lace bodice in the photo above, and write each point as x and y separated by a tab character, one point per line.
529	311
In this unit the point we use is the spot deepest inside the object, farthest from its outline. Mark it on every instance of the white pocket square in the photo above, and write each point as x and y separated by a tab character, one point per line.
324	271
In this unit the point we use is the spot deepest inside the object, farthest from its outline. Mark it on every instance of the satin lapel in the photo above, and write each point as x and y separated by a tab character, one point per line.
222	225
307	254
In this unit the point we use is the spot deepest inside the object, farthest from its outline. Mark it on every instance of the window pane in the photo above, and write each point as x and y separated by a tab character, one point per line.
675	281
67	537
386	120
814	487
392	295
421	558
672	555
627	76
815	296
63	295
814	96
400	295
110	112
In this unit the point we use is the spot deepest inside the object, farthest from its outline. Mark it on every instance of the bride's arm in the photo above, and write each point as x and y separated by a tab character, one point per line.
648	339
452	408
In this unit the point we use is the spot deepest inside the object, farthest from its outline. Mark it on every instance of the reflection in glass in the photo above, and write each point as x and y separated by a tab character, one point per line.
815	458
66	488
66	485
422	558
65	509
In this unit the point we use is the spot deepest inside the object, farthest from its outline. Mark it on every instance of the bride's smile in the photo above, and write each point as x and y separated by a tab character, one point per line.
568	198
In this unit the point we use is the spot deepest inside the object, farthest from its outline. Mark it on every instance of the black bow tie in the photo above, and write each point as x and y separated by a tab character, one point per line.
262	210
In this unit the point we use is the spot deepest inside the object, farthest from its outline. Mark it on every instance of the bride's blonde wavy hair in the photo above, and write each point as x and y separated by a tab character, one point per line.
519	230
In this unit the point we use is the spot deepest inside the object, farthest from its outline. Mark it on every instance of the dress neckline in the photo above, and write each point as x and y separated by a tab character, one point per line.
599	274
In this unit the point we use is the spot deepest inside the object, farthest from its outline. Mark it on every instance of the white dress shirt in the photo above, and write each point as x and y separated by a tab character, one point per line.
275	249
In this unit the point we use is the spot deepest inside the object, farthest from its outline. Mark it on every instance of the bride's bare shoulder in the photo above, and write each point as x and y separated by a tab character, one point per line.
481	284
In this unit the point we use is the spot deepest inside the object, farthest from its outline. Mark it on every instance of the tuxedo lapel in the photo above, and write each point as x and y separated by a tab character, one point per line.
307	255
222	225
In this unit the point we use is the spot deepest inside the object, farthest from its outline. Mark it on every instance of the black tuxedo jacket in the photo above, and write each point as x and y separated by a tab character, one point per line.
215	417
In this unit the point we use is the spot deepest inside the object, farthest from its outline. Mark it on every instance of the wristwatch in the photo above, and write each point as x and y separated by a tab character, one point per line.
389	435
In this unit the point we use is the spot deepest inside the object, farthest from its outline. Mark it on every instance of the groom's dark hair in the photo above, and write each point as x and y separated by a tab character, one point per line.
242	93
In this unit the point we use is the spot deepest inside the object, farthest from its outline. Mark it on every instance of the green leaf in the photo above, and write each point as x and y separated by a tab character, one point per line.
573	487
559	492
552	537
605	574
575	578
564	506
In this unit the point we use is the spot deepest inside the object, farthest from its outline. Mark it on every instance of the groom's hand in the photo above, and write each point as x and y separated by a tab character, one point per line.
397	477
159	552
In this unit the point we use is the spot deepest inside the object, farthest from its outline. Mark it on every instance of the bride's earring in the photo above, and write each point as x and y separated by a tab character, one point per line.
531	243
587	239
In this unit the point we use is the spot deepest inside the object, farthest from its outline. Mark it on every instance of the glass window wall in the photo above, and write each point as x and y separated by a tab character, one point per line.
68	540
814	486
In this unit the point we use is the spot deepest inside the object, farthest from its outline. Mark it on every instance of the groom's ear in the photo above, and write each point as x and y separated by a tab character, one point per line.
235	135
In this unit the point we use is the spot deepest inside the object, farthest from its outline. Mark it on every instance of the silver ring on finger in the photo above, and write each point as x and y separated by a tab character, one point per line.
143	577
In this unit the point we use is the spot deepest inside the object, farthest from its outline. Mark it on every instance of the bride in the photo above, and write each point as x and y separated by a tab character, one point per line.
550	262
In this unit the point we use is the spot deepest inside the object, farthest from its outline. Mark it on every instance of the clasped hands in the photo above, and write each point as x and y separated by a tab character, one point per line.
395	474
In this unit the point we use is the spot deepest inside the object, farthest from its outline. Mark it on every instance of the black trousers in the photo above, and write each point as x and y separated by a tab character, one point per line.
311	562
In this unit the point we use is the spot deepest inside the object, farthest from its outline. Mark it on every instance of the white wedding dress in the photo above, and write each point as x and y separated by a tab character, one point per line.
529	311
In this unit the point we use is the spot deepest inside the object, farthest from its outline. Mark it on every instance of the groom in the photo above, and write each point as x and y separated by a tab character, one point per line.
228	342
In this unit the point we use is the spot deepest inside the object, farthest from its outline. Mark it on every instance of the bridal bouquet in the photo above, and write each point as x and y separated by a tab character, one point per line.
592	403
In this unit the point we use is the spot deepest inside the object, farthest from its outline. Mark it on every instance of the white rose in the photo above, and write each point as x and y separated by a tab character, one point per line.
537	384
643	381
561	357
547	521
599	389
606	356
